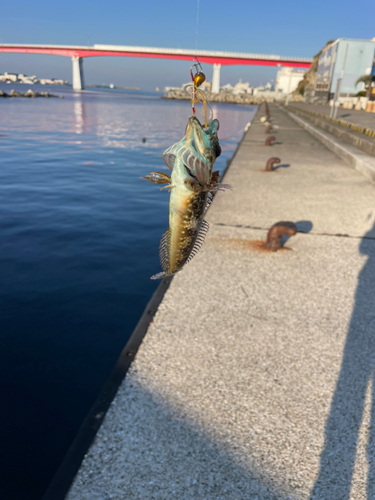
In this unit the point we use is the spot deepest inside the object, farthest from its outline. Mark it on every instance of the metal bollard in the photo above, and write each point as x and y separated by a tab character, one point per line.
276	232
270	163
269	140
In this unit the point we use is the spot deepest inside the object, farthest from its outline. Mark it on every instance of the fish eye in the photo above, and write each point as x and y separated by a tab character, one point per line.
217	150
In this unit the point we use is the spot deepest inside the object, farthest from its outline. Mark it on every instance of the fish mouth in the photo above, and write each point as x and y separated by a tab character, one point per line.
194	123
194	126
205	140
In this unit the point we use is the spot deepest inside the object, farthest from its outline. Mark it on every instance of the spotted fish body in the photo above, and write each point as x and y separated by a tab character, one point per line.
193	184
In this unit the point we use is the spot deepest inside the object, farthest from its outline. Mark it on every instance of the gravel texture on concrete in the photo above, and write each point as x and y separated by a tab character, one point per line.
255	379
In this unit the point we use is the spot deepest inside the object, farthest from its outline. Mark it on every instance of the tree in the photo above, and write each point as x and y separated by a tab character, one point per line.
366	79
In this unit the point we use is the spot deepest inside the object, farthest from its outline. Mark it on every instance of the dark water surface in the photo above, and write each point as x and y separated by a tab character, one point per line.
79	236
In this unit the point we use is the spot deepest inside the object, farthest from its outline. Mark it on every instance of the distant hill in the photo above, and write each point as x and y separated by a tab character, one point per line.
310	75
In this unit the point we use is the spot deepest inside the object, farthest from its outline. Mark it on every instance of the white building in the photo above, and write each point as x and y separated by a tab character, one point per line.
8	77
287	80
228	87
262	88
241	88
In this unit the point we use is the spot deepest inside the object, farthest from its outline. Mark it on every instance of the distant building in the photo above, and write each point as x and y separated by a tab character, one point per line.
241	88
188	87
167	89
262	88
29	80
287	80
344	58
258	90
228	87
205	86
9	77
268	87
56	81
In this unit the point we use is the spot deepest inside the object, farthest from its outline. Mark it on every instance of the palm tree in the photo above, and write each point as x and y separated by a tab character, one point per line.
366	79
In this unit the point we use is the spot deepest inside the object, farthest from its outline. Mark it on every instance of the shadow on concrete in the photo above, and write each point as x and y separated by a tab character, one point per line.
357	370
303	226
151	449
286	165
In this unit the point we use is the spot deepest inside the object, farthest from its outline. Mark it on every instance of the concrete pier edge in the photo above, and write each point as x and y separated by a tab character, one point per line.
65	474
62	480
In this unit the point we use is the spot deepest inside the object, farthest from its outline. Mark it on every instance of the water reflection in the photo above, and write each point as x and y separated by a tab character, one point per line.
79	114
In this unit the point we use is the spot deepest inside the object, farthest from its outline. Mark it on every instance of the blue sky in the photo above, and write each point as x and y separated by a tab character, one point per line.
274	27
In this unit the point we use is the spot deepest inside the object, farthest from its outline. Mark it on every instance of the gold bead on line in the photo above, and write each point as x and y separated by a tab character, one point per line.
199	79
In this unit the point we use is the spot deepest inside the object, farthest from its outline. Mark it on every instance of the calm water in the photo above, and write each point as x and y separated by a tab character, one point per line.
79	236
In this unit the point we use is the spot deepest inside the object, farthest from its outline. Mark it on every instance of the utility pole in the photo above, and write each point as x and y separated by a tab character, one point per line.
333	112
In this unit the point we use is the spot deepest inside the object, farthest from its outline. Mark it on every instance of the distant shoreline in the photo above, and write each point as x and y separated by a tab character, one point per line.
29	93
111	88
222	97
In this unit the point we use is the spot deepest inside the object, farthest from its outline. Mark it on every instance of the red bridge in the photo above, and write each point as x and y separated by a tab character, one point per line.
205	56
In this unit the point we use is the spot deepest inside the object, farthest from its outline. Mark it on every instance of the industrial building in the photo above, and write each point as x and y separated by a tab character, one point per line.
287	80
341	64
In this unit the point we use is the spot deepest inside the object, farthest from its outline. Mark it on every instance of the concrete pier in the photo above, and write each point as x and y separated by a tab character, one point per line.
255	379
78	79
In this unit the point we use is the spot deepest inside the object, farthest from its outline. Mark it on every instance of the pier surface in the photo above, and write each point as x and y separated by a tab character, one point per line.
254	380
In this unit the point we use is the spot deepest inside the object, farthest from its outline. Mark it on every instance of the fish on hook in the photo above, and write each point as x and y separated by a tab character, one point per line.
192	184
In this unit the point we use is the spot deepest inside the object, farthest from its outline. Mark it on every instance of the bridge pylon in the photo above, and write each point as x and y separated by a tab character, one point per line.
78	80
215	87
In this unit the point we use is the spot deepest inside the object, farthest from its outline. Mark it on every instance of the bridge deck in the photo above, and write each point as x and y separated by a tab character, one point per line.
205	56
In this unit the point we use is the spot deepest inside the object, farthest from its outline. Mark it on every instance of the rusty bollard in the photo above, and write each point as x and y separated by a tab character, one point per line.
270	163
276	232
268	129
269	140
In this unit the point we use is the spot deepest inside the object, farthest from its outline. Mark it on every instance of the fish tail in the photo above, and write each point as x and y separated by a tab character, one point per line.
164	256
158	276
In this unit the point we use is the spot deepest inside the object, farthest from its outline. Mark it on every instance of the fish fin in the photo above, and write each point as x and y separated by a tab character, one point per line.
158	178
203	230
199	169
169	159
164	256
164	251
220	187
170	186
158	276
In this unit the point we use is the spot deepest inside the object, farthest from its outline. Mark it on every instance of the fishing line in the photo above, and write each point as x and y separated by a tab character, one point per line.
196	29
197	79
